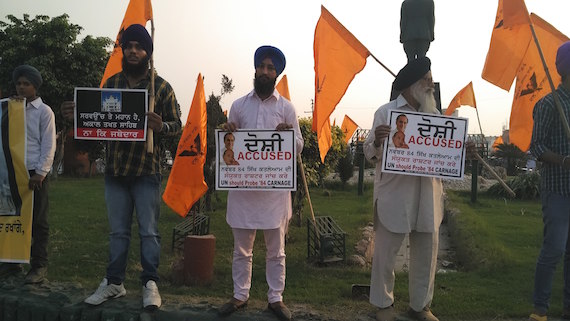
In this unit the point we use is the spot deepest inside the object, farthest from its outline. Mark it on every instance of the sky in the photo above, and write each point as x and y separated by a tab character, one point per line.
216	37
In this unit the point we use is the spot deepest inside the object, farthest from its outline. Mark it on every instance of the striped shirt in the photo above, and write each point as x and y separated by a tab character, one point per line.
548	135
131	158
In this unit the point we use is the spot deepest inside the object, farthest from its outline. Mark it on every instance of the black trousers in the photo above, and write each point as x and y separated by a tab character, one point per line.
40	226
416	48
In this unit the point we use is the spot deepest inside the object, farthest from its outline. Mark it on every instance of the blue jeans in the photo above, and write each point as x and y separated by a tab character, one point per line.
124	194
556	219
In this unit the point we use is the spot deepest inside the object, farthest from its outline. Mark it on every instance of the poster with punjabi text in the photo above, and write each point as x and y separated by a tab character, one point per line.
16	199
425	145
256	159
110	114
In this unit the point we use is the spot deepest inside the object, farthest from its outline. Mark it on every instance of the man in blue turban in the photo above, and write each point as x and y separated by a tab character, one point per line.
251	210
551	146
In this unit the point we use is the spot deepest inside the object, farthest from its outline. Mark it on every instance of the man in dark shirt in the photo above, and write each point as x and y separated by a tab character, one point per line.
551	146
132	176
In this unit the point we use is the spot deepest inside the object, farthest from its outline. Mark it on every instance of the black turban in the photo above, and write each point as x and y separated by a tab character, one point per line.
276	56
31	73
139	34
411	73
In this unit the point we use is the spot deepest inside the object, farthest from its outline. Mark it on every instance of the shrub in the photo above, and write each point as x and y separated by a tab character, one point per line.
345	168
526	186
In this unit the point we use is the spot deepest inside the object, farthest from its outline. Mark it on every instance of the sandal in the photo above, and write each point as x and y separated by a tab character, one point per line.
231	306
536	317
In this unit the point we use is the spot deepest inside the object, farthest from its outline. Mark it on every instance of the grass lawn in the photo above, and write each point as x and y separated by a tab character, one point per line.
497	243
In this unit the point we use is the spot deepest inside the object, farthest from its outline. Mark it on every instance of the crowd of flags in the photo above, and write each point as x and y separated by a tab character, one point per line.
513	53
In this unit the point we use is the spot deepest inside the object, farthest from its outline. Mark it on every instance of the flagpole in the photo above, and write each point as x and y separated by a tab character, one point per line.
381	64
479	121
150	138
552	88
307	189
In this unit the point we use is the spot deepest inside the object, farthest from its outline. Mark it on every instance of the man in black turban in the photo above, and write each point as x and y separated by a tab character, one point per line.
132	176
404	204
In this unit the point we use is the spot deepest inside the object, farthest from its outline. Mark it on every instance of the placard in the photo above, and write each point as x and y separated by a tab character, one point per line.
425	145
256	159
16	199
111	114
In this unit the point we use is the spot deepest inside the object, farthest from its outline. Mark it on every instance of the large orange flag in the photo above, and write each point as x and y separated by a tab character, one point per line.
532	83
186	182
283	87
138	12
339	56
509	42
348	127
497	142
465	96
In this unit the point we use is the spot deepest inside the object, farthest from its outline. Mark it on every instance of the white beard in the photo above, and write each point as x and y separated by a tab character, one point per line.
425	97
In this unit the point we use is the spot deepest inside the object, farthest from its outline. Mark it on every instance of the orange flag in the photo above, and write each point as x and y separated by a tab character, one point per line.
186	182
465	96
532	83
283	87
138	12
339	56
509	42
497	142
348	127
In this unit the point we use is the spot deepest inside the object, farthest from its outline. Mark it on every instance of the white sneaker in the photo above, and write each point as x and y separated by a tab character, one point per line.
105	292
151	297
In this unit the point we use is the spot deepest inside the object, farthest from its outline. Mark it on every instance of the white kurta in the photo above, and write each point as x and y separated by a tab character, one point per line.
402	202
261	209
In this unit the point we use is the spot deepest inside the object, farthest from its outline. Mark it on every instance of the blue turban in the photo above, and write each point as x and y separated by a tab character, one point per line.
276	56
31	73
139	34
563	59
411	73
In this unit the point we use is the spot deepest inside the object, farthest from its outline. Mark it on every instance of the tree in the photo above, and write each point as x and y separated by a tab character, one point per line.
345	166
52	46
512	156
216	117
315	170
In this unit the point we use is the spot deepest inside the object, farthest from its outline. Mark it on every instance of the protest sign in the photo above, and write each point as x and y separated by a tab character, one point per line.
425	145
256	159
16	199
111	114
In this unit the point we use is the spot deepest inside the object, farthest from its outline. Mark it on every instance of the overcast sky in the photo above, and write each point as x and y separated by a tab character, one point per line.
218	37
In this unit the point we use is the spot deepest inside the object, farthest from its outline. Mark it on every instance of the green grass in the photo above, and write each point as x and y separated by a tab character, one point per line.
497	244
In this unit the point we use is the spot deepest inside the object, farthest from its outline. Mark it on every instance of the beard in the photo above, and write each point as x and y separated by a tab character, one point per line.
137	69
424	96
264	85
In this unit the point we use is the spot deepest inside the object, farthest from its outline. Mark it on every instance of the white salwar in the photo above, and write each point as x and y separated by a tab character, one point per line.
270	211
403	204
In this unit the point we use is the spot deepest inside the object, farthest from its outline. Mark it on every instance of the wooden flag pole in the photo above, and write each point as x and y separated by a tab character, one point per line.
479	121
490	169
381	64
552	88
150	136
306	186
